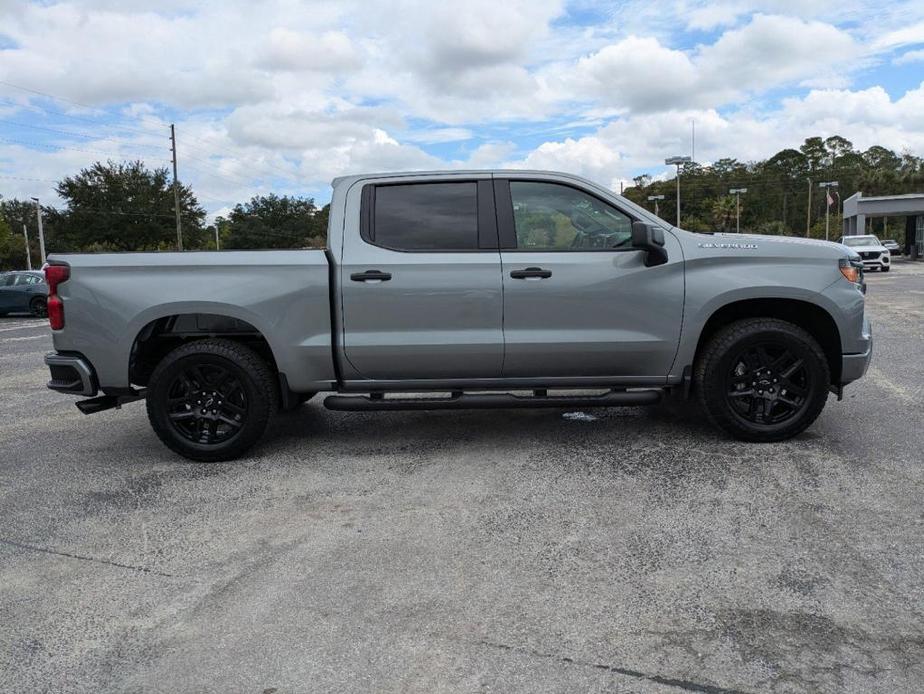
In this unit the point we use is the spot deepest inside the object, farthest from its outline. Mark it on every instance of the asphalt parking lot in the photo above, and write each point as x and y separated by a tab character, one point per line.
631	550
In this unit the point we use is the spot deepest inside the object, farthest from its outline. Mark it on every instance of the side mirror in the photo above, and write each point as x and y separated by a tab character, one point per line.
649	238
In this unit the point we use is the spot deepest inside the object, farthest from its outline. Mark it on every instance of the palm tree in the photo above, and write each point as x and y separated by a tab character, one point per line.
723	212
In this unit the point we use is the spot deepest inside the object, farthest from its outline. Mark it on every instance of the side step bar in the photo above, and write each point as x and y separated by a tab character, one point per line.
488	401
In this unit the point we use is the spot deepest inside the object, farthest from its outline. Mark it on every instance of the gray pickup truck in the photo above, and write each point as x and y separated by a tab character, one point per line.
483	289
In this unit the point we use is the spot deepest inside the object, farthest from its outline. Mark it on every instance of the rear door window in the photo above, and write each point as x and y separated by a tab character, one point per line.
426	217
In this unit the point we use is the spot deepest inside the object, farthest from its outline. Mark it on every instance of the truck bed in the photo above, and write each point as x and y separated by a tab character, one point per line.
110	298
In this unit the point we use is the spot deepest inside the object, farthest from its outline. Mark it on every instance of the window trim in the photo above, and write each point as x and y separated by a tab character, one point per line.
485	216
506	224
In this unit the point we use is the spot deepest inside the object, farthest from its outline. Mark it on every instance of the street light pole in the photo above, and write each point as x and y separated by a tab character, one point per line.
25	234
737	193
655	198
827	185
678	161
38	214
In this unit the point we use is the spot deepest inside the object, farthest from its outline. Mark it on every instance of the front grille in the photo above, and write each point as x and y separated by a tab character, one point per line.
869	255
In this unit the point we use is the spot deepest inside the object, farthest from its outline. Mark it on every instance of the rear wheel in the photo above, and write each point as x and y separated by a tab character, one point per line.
211	400
762	379
39	307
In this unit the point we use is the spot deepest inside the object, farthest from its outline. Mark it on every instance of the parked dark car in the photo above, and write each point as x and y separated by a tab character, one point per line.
23	292
894	248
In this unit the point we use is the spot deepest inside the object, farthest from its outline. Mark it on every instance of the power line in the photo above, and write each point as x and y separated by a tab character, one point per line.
51	146
91	121
21	178
71	133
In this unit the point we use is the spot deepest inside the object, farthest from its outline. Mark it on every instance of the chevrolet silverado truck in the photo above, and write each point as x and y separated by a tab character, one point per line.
497	289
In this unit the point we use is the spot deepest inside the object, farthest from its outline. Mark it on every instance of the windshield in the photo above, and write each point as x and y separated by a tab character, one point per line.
861	241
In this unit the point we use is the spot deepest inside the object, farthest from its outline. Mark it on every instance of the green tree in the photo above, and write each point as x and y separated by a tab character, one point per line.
19	212
271	221
12	248
723	213
125	207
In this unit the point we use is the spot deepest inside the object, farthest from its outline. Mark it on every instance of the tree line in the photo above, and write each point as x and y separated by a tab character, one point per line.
126	206
783	195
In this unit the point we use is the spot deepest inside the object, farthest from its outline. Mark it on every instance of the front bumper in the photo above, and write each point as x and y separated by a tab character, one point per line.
71	373
854	366
883	261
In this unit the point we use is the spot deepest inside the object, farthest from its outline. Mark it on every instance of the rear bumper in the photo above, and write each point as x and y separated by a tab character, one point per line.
854	366
71	373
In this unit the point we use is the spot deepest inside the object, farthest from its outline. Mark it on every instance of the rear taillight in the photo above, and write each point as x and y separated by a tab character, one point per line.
55	275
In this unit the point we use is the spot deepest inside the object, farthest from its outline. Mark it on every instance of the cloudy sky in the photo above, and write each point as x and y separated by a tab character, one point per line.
284	95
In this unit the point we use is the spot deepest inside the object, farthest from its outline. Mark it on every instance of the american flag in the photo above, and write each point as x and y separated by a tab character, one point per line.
830	199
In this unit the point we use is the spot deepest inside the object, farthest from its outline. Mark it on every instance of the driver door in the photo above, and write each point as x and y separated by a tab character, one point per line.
578	299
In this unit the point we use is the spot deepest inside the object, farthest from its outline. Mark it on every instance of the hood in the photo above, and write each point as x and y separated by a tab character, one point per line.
866	249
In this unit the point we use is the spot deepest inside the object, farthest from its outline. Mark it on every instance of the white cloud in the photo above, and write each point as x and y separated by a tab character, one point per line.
332	51
910	57
285	95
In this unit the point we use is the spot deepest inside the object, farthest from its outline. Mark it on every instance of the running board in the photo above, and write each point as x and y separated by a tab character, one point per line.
489	401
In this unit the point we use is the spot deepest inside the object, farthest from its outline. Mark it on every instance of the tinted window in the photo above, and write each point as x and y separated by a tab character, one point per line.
26	279
6	280
861	241
552	217
427	216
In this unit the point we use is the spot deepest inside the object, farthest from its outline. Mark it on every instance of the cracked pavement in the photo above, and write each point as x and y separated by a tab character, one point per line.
637	550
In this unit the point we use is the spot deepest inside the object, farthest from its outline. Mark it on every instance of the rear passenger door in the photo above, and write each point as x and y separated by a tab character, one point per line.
7	292
420	282
578	298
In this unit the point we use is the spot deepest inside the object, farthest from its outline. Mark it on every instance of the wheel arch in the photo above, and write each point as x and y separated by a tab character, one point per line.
814	319
162	334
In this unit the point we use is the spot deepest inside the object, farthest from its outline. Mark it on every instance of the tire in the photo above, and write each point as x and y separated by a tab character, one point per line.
886	269
762	379
211	400
39	307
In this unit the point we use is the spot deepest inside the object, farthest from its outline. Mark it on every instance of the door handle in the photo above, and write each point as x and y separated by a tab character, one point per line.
369	275
529	272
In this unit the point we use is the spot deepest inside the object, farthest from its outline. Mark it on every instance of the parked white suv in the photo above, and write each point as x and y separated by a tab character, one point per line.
872	252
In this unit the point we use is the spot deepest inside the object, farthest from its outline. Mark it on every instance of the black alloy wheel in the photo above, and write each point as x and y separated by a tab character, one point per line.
768	384
207	403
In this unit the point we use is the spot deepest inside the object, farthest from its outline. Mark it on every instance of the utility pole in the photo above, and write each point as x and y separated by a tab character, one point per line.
655	198
737	193
827	185
693	140
176	191
808	210
28	254
678	161
217	242
38	214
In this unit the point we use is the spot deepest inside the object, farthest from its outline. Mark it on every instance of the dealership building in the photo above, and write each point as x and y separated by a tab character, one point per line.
857	209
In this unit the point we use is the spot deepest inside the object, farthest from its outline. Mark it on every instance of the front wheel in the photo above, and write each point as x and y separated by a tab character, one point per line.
39	307
886	269
762	379
211	400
